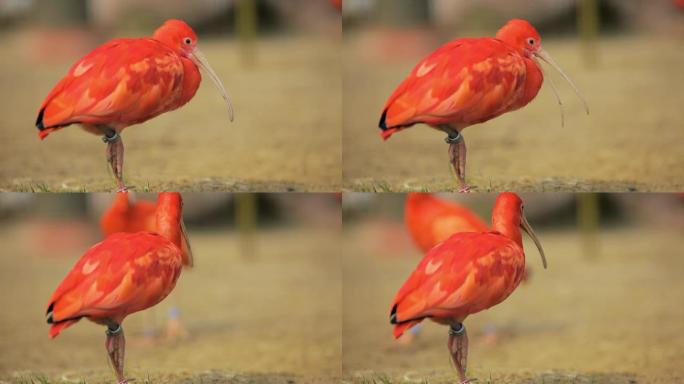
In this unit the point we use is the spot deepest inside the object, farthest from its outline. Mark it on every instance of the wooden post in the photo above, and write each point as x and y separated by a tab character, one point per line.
246	223
247	24
403	12
588	221
588	24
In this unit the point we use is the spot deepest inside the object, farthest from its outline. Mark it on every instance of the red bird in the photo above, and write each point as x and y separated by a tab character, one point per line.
123	274
431	220
126	82
469	81
127	216
467	273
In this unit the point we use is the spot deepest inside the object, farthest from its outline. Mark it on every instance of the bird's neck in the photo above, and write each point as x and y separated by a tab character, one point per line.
507	222
191	81
534	77
169	216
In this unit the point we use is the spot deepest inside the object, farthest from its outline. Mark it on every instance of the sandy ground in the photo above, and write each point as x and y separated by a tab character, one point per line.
286	134
632	139
264	321
613	319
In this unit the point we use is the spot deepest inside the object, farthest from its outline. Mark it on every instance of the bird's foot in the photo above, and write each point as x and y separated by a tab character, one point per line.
464	189
467	381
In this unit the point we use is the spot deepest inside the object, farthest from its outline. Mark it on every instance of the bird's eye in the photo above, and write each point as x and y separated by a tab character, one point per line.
188	41
530	41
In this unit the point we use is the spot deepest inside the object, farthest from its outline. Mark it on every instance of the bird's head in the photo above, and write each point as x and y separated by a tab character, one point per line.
508	215
524	38
178	35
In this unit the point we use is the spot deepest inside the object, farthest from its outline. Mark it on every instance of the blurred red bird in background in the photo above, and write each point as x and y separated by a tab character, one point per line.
469	81
124	215
431	220
125	82
467	273
121	275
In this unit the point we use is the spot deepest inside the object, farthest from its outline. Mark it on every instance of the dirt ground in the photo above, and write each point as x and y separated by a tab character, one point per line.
275	319
631	141
286	135
616	318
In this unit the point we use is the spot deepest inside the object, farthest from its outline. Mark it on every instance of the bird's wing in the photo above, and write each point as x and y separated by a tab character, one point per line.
464	274
120	79
468	80
125	272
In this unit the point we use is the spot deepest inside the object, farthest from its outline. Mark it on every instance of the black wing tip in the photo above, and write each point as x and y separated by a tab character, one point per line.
39	120
393	315
383	123
48	314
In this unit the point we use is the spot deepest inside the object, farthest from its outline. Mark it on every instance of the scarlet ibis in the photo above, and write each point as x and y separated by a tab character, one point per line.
467	273
431	220
125	215
123	274
125	82
469	81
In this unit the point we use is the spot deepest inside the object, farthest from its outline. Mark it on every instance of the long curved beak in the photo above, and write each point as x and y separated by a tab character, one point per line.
198	58
188	259
526	227
544	56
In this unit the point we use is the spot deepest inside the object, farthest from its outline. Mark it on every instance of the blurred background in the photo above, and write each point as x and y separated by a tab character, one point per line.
260	305
606	310
624	56
277	58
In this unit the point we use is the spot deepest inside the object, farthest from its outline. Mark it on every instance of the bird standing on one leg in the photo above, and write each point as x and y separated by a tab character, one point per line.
125	82
469	81
467	273
123	274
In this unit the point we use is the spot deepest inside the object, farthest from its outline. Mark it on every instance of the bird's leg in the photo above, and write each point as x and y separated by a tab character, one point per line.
457	157
458	347
116	345
115	154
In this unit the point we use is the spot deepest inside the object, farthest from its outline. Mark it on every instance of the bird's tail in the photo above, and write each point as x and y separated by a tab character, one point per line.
386	134
42	130
400	328
45	132
58	327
